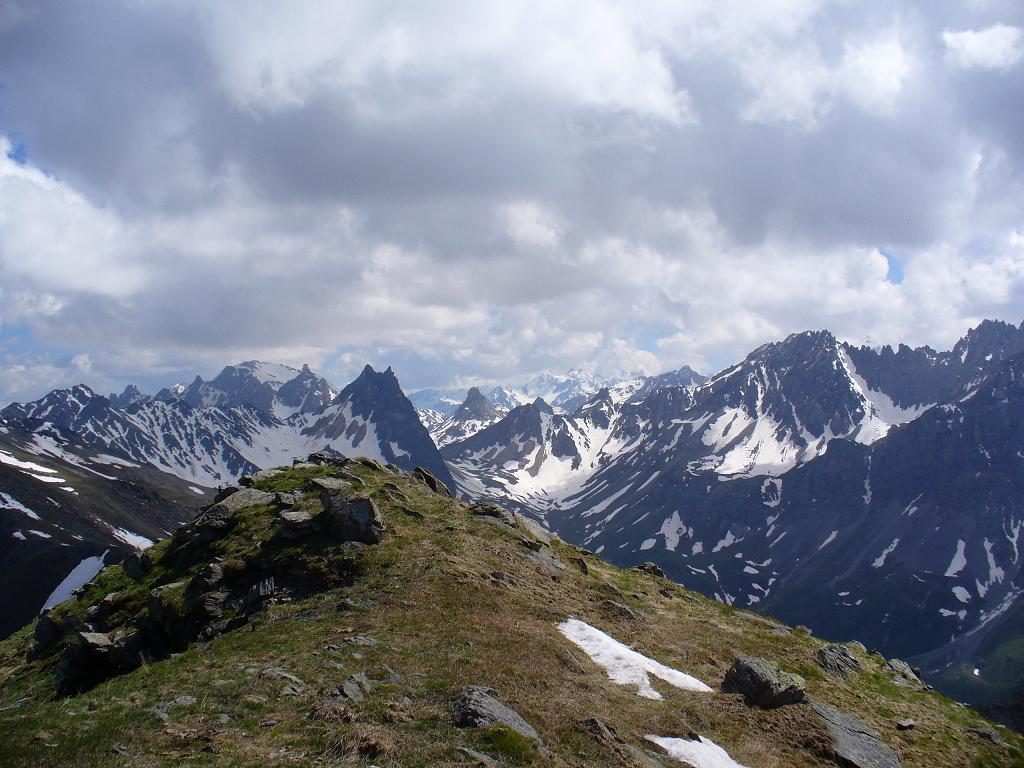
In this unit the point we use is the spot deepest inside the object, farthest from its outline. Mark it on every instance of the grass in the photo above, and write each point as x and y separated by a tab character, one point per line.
441	624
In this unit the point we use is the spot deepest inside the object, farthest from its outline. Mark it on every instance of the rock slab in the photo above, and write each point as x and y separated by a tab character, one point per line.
855	744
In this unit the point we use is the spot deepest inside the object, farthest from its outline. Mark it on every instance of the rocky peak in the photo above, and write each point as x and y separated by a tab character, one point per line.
476	407
129	396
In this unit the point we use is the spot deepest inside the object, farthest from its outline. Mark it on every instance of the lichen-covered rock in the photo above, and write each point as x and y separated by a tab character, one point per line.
837	660
477	707
217	519
351	519
763	683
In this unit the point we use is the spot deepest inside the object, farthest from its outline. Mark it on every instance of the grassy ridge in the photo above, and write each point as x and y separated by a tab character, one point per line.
425	617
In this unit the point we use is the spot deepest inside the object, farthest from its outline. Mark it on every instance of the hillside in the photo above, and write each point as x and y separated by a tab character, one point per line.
294	622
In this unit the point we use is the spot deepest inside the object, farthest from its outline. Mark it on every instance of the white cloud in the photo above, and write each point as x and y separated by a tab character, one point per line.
996	47
52	236
530	225
476	191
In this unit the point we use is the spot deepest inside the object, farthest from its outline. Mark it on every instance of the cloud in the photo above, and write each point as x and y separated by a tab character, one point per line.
478	193
996	47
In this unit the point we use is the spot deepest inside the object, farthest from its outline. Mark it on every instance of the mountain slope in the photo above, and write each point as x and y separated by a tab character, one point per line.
273	640
64	513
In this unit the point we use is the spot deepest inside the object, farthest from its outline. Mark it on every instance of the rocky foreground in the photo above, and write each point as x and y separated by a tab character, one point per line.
341	612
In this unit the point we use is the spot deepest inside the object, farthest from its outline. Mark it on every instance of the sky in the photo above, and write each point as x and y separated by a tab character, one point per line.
476	192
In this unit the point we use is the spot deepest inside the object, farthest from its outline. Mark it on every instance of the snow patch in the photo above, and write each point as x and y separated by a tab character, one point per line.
81	574
959	559
880	560
699	752
624	665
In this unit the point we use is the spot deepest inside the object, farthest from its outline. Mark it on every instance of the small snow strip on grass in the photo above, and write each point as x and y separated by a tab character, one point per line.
624	665
700	752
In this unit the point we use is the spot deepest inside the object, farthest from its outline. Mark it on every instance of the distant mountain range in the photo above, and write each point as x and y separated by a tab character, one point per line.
875	494
871	494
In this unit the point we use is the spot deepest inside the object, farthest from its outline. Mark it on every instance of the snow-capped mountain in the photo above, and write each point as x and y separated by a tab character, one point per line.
250	416
784	473
475	413
506	398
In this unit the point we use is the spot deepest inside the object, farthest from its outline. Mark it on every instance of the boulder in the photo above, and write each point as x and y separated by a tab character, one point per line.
990	734
837	660
356	687
340	482
763	683
219	518
900	667
137	565
256	477
621	610
87	662
327	457
46	631
853	743
246	497
431	482
477	707
651	568
351	519
225	491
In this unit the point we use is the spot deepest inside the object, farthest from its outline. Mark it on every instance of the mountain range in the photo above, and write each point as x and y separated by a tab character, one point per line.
872	493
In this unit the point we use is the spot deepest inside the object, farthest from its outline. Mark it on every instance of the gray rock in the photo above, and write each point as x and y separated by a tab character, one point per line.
431	482
361	640
532	529
651	568
550	564
906	724
356	687
279	673
326	457
341	482
990	734
855	744
900	667
621	610
295	516
763	683
476	707
263	474
246	497
352	519
837	660
479	758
